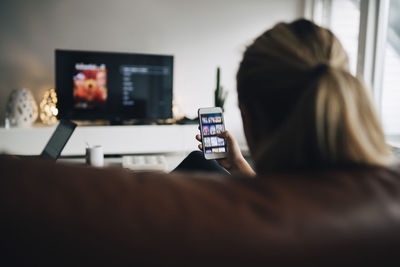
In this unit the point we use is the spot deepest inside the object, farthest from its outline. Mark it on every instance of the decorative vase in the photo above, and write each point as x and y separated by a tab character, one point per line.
21	110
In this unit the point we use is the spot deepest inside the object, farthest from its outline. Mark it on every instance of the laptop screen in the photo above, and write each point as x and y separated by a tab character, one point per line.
58	140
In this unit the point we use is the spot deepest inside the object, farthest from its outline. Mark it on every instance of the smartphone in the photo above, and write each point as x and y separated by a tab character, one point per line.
211	122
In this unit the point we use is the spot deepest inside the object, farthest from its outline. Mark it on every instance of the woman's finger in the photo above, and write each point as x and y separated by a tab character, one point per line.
198	137
200	146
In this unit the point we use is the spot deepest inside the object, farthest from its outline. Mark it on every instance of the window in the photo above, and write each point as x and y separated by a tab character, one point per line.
390	106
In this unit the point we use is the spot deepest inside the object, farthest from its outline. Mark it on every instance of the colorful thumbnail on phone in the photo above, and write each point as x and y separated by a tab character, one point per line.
206	130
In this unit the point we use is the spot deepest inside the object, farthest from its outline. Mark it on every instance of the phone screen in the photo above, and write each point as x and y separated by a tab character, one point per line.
211	125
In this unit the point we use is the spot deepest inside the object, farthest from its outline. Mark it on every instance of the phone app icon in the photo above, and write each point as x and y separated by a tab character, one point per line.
220	128
206	130
215	149
220	141
207	141
213	131
211	119
222	149
208	151
218	119
204	119
214	141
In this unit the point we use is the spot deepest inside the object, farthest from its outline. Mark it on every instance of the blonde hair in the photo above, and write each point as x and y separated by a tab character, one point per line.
310	111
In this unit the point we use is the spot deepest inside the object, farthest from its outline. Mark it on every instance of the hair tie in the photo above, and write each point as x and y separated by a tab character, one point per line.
320	69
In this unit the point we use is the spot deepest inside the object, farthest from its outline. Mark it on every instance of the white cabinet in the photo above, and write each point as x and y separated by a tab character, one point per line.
116	140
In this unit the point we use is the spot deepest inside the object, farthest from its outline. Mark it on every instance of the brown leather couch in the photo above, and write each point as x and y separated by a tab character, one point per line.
71	215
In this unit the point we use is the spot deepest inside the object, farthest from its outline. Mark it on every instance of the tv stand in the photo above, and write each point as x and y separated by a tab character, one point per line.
115	139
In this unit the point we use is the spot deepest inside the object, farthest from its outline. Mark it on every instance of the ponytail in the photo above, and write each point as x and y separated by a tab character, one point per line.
347	128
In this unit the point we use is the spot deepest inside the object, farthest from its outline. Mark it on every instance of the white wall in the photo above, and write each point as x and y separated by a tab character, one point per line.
200	34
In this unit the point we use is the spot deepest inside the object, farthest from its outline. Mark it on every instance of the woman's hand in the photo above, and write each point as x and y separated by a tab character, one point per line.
234	162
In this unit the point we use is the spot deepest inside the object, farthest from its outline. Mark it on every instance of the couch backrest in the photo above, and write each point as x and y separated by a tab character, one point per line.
77	215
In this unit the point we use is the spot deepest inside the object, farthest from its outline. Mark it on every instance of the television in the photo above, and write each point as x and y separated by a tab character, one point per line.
114	87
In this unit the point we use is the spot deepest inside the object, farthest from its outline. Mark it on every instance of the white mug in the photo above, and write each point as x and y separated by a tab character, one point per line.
95	156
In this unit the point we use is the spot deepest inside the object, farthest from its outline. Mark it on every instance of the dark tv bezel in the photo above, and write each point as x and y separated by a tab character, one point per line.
70	113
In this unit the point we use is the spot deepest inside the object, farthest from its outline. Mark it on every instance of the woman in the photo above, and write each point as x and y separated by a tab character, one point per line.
300	106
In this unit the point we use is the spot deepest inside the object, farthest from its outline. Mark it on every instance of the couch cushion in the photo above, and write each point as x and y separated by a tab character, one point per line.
77	215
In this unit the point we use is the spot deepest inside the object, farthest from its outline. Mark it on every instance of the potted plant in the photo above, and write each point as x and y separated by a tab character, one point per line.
219	94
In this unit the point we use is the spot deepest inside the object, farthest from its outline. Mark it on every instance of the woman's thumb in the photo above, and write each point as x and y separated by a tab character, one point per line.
227	136
224	134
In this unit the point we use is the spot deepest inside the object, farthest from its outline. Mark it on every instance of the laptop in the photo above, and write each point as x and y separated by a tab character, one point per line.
58	140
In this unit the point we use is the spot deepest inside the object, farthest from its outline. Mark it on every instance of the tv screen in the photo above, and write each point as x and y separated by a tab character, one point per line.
113	86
